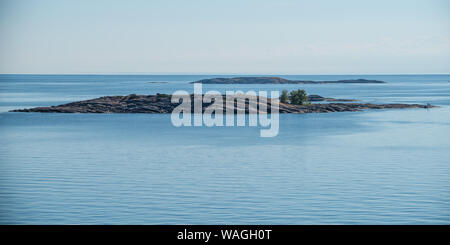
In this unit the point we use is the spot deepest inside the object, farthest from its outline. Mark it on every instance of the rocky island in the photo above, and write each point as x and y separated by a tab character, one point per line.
318	98
161	103
276	80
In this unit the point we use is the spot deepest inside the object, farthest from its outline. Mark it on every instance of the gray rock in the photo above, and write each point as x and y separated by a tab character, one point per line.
161	103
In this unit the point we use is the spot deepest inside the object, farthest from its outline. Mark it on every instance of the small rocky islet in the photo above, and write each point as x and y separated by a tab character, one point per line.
161	103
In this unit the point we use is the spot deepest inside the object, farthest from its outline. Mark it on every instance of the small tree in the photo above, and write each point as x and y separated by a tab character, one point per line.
298	97
284	98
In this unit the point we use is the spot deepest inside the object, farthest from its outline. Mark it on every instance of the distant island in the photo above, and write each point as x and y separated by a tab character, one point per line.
276	80
161	103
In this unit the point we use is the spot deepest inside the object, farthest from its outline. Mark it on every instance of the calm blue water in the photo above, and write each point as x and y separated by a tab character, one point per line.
372	167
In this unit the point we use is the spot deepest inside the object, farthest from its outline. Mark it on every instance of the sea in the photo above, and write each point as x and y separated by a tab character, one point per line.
369	167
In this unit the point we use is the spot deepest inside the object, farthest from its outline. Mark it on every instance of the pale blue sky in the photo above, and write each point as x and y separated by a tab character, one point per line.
225	37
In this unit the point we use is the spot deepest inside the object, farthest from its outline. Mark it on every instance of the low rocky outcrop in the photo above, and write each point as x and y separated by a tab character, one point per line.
317	98
276	80
161	103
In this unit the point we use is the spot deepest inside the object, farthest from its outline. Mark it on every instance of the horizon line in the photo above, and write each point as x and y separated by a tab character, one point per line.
226	74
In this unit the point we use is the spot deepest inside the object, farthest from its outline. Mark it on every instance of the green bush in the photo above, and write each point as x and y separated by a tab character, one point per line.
298	97
284	98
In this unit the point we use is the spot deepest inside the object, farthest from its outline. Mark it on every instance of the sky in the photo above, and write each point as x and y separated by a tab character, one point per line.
224	37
